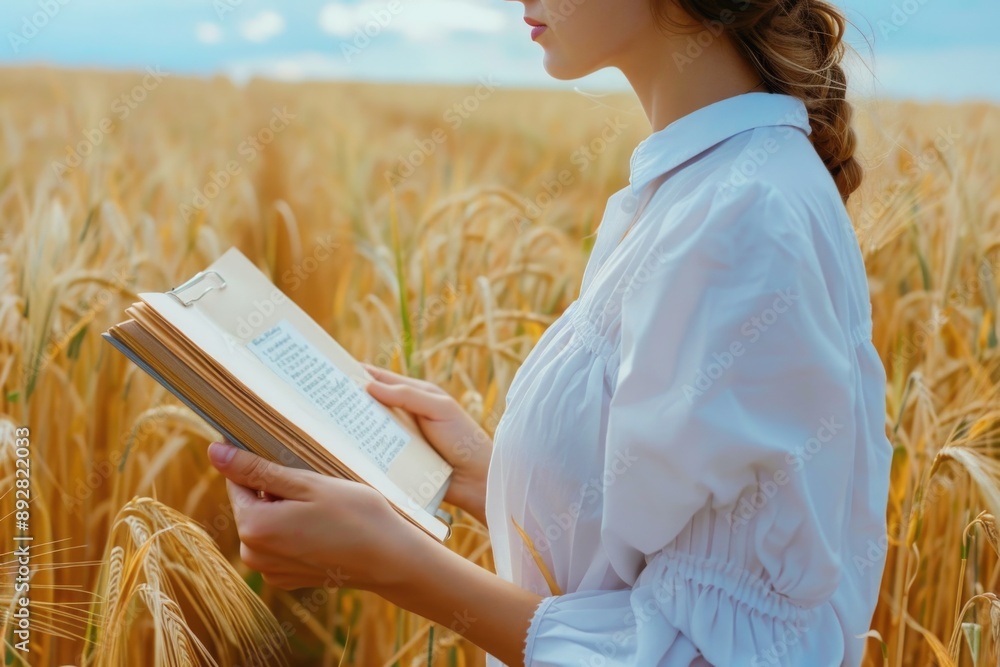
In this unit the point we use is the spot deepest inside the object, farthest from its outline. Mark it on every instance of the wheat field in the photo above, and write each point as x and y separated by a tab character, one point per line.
428	230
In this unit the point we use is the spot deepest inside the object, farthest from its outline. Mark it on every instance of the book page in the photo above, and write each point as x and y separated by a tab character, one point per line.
220	323
286	352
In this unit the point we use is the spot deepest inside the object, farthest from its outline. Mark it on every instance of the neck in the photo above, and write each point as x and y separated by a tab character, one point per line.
673	75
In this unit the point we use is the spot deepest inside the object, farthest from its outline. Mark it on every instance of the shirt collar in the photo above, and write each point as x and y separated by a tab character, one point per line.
702	129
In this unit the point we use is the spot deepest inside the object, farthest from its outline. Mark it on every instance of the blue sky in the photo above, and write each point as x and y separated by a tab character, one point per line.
925	49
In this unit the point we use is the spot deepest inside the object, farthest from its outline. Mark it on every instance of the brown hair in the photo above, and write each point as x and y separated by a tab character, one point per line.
797	47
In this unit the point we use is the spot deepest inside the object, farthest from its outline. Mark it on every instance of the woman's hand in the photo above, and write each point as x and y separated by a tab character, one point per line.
449	428
314	530
311	529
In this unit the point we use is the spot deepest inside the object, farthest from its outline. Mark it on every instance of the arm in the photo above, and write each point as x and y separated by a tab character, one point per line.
440	585
315	530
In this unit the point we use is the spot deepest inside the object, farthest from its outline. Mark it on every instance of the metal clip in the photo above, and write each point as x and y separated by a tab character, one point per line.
193	281
446	519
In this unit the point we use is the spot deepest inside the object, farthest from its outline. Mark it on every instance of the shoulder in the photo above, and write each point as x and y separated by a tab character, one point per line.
781	157
757	187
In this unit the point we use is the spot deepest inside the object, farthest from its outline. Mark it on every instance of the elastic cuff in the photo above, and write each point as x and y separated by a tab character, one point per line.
529	640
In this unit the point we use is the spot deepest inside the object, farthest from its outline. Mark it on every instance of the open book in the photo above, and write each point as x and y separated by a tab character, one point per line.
255	366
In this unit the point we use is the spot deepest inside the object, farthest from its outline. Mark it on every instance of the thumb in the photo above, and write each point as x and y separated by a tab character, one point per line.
255	472
410	398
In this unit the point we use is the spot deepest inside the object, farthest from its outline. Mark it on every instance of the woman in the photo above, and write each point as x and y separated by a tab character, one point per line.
696	447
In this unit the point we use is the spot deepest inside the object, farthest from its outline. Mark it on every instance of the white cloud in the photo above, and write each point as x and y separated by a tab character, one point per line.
208	33
263	27
340	19
296	67
418	20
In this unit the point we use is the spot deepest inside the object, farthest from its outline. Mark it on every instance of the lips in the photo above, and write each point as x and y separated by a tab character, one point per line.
537	27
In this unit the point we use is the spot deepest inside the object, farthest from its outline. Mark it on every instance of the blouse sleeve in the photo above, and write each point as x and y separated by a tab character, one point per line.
733	362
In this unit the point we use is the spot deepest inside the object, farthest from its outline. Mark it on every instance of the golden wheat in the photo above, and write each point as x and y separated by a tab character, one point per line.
452	273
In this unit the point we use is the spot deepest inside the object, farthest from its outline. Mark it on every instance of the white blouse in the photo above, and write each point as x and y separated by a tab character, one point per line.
696	447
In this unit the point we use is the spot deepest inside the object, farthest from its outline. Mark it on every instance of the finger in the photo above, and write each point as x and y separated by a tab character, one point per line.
242	499
246	509
410	398
241	496
253	472
248	496
276	568
385	375
246	505
263	562
290	582
389	377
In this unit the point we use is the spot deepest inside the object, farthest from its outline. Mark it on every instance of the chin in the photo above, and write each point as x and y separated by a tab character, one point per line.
558	68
